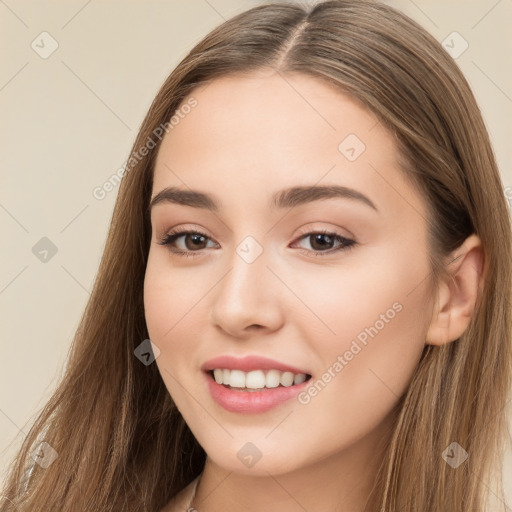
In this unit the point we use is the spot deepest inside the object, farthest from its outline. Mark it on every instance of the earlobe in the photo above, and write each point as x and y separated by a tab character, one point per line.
458	295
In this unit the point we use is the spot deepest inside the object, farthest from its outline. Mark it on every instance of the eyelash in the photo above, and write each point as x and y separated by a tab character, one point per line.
172	236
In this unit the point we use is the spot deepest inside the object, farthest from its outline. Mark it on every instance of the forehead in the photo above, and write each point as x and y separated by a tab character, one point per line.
271	110
267	131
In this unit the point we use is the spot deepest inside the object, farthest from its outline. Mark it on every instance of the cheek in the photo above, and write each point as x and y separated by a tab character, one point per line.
168	303
378	318
173	303
364	376
158	303
167	297
364	301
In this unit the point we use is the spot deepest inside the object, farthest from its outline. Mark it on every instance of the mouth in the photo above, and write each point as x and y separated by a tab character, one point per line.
256	380
246	398
253	384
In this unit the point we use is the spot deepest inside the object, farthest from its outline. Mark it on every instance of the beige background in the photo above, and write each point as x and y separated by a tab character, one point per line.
68	122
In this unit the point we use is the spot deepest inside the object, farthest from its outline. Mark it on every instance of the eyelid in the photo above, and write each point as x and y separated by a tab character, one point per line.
184	228
314	228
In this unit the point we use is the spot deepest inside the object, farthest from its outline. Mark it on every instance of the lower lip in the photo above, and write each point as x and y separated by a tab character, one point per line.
252	401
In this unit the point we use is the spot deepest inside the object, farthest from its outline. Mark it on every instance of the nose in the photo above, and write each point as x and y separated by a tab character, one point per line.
249	298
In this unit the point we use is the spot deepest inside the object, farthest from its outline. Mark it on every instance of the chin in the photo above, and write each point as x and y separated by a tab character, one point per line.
255	458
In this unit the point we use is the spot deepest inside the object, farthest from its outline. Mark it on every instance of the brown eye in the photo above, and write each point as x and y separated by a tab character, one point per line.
319	241
322	242
196	241
193	241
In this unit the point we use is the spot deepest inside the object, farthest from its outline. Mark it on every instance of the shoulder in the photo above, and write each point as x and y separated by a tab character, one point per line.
181	501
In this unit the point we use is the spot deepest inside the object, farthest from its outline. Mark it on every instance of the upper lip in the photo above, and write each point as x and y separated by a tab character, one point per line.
249	363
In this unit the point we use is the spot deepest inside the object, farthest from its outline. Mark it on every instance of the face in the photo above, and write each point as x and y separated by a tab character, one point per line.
330	283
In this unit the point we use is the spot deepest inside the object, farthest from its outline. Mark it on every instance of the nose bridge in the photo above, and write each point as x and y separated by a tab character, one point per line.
246	294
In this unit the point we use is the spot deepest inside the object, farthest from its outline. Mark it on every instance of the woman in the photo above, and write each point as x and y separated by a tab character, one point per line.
313	234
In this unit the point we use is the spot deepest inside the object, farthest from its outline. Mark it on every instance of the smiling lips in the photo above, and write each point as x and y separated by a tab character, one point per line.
252	384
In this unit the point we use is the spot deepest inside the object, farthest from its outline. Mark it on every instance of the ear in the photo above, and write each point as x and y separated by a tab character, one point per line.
458	294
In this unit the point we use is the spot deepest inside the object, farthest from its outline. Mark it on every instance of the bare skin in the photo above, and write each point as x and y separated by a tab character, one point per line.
248	138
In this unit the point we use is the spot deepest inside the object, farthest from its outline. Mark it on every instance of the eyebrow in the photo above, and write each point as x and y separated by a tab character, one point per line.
286	198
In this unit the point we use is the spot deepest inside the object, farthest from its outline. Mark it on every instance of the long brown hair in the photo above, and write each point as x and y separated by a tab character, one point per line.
122	444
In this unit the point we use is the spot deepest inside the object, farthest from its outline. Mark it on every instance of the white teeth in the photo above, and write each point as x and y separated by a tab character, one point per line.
237	379
287	379
299	378
272	379
218	375
257	379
